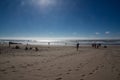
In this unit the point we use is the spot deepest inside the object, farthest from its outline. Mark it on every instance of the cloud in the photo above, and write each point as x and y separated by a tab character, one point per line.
97	33
107	32
45	3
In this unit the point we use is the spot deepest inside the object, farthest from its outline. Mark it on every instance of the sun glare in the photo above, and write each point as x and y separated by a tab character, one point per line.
45	3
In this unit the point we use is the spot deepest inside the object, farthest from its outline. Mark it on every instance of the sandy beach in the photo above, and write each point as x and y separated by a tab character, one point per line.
60	63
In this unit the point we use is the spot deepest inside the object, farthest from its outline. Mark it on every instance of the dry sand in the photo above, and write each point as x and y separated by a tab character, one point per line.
60	63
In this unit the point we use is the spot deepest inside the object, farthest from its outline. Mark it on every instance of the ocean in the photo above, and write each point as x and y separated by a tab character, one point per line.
62	42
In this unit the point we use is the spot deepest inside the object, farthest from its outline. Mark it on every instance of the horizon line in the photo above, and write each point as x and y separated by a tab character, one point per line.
60	38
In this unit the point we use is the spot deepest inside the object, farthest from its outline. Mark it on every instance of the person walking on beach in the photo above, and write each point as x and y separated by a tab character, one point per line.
77	46
48	43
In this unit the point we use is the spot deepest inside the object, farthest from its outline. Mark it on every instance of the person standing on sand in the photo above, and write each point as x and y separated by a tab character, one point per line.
9	44
36	49
48	43
77	46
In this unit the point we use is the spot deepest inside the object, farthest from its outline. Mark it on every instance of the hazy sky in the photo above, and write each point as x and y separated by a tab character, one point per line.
60	18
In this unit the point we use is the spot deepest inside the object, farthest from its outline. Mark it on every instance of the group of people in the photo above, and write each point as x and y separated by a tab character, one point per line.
96	45
26	48
36	49
93	45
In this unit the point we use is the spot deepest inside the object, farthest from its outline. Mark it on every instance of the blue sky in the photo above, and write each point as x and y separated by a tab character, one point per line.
60	18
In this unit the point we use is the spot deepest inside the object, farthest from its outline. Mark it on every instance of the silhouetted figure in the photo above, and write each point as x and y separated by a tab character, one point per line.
30	48
77	46
105	46
65	44
0	51
9	44
17	47
99	45
48	43
27	44
26	48
93	45
36	49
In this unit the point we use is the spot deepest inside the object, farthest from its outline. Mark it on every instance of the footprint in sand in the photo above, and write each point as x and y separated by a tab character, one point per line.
29	64
38	69
59	78
97	68
76	69
90	73
5	62
12	67
67	73
83	75
59	68
113	67
42	62
117	70
21	76
51	65
94	70
59	74
14	71
69	70
80	64
119	74
3	70
23	66
102	66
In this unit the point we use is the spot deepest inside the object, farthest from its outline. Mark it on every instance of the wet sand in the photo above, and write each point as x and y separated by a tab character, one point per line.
60	63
